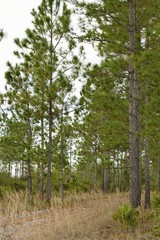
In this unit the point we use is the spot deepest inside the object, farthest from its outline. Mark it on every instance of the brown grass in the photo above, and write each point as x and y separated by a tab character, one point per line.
85	217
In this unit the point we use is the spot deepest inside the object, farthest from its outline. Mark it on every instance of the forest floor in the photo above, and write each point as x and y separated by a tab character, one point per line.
87	218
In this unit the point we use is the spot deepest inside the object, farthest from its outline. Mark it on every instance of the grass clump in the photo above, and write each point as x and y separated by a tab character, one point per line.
156	202
126	216
156	215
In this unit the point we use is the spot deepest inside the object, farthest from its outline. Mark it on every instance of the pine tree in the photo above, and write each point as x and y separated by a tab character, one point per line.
105	120
54	59
118	31
47	73
19	96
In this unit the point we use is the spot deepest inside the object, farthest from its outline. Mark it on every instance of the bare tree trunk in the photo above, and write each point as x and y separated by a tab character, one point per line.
147	176
22	170
159	171
48	188
120	172
29	146
95	175
113	180
42	182
30	188
42	161
125	174
29	176
147	160
62	163
29	172
106	180
134	115
117	167
16	170
115	174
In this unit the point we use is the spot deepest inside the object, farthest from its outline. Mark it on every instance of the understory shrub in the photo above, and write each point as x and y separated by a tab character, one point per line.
156	202
126	216
156	216
8	184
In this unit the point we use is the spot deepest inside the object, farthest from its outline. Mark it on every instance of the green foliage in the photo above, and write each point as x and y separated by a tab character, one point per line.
3	190
78	186
155	221
156	215
156	229
127	216
156	202
8	183
39	89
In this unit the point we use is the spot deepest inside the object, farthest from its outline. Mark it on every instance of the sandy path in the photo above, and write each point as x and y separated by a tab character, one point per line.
26	226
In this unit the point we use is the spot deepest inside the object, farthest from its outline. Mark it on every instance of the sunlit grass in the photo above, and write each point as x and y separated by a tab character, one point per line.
86	216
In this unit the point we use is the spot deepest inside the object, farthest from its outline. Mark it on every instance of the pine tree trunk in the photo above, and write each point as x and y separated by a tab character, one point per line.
30	187
42	163
159	171
113	180
48	188
95	175
120	173
106	180
62	163
22	170
42	182
147	176
147	161
125	173
30	192
134	115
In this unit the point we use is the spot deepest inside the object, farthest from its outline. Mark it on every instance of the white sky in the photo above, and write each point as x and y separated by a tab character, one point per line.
15	17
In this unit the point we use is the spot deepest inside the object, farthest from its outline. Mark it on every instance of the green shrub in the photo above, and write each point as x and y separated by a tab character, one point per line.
8	183
126	216
3	191
156	202
156	216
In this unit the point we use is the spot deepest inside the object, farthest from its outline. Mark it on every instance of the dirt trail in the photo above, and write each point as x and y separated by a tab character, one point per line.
21	226
88	219
30	225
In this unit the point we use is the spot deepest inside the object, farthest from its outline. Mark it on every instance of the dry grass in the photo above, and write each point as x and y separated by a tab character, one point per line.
85	217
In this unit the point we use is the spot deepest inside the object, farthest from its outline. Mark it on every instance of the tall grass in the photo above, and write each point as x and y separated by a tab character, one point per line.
86	216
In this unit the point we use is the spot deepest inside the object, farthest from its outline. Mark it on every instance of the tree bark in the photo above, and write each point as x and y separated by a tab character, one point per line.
134	114
106	180
62	163
147	176
159	171
23	172
147	160
126	171
42	161
95	175
30	191
48	188
29	146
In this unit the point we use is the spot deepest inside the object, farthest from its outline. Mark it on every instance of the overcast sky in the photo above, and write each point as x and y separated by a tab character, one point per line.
15	17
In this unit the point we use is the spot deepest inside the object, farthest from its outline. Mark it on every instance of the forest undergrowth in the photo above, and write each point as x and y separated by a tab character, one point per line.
87	216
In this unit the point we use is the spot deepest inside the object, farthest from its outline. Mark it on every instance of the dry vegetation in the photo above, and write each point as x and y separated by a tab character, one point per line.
85	216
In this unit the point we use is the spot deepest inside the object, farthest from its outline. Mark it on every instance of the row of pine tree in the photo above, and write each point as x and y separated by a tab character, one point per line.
55	140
